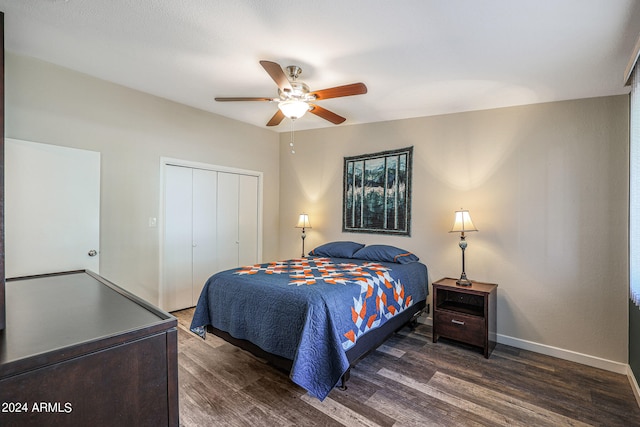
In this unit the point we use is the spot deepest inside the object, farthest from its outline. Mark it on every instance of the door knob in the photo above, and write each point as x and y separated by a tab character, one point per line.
92	252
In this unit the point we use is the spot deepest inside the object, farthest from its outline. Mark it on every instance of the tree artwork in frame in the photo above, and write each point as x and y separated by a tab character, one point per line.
377	193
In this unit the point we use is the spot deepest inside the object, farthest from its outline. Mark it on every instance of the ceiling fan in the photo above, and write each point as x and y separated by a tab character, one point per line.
294	97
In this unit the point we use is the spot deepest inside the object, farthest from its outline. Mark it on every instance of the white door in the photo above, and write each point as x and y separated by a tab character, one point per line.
52	208
190	234
238	220
248	220
228	234
178	240
205	251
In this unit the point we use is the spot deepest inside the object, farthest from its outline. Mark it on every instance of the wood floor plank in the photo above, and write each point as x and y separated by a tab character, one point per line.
212	340
340	413
391	351
409	412
206	404
522	361
358	390
277	392
491	415
517	411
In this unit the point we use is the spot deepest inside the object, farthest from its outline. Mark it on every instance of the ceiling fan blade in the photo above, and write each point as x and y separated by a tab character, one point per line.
243	99
276	119
339	91
326	114
277	74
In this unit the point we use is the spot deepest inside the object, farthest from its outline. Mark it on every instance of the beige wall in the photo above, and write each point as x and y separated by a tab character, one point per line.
132	131
545	184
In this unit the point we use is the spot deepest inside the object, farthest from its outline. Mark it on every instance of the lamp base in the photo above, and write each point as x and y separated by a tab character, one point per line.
463	281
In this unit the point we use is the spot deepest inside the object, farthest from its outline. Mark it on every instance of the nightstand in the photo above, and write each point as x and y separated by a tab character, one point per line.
465	313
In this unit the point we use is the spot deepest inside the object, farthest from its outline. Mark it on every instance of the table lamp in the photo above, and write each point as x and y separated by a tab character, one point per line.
303	222
461	225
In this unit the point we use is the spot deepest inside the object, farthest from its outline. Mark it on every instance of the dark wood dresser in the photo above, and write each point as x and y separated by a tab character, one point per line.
79	350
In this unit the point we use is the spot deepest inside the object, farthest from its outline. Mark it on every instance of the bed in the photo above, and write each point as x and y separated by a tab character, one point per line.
316	316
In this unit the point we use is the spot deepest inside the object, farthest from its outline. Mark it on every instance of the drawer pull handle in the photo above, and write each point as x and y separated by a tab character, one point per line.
457	322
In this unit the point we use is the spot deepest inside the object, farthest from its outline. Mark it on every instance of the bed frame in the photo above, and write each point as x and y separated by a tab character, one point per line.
363	346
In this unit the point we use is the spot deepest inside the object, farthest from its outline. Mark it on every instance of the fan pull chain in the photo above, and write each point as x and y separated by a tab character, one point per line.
293	151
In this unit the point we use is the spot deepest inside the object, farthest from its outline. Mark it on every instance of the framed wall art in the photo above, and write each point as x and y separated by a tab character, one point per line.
377	193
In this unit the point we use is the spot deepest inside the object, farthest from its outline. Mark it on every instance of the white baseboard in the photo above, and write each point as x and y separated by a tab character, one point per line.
634	384
573	356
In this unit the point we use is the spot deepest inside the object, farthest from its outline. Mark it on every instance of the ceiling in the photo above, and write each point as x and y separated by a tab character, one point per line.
417	57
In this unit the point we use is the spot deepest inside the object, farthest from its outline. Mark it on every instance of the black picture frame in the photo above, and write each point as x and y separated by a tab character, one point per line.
376	194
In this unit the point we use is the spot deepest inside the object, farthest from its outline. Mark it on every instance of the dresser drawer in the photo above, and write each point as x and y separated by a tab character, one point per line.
461	327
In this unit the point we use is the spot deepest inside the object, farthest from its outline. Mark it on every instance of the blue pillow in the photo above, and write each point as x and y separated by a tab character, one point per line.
386	253
337	249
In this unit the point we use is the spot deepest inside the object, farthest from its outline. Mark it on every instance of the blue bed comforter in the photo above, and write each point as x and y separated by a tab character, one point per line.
309	310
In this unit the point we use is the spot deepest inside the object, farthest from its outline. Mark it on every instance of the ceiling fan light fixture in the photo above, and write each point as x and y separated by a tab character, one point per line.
293	109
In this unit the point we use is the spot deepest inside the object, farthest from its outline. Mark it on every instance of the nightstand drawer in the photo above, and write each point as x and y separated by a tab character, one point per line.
457	326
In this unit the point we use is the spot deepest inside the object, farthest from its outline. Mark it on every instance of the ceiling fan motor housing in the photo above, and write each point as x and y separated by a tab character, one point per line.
299	92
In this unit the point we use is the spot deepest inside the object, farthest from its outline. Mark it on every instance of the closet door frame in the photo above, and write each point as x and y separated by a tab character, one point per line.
167	161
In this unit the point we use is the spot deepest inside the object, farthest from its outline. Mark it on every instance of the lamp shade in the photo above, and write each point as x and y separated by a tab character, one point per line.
462	222
293	109
303	221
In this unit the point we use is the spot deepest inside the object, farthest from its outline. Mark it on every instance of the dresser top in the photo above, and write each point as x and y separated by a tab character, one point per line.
61	315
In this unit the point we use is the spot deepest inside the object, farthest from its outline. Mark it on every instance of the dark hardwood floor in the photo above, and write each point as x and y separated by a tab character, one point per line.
409	381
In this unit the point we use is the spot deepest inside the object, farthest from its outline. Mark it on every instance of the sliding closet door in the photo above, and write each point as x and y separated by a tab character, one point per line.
178	242
228	223
237	219
211	223
205	236
248	220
